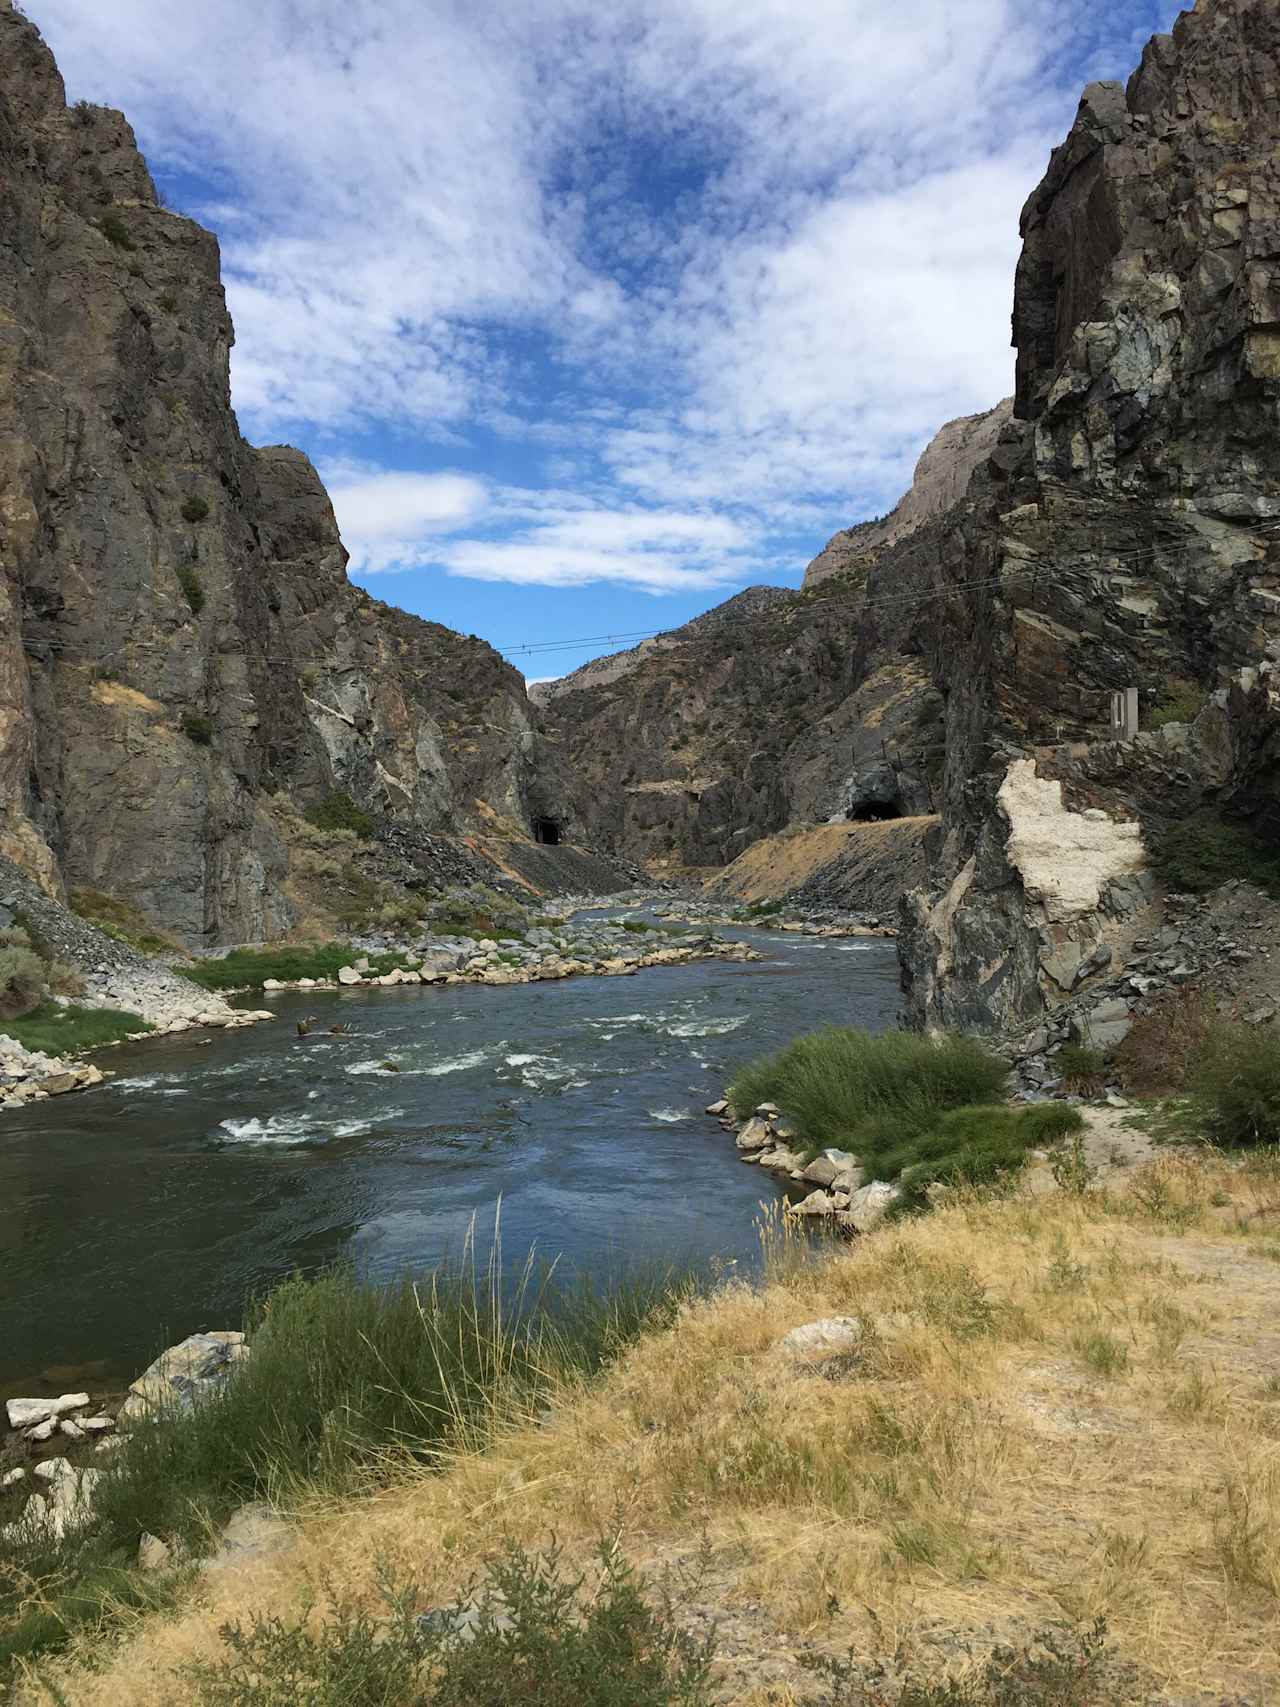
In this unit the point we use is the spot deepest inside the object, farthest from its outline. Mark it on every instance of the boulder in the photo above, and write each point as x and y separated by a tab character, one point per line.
869	1205
186	1373
53	1469
718	1108
251	1532
348	975
153	1553
826	1337
817	1203
755	1135
11	1478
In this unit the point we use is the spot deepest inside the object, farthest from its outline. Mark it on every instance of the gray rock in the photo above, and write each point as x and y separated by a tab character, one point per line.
251	1532
755	1135
827	1337
869	1205
194	1370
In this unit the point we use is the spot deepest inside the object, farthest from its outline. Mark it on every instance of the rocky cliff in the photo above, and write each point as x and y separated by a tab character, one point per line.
1123	533
181	652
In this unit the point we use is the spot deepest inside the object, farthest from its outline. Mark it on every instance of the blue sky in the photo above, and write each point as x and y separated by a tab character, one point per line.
592	315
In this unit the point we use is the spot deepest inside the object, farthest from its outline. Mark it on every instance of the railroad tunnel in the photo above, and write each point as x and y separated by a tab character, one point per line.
546	831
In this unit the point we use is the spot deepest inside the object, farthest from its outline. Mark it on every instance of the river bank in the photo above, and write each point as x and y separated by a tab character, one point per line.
168	1001
990	1422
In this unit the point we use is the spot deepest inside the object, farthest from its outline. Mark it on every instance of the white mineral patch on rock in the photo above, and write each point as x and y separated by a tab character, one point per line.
1064	858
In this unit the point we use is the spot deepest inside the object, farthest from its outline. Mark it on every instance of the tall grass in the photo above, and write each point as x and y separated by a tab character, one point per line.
842	1084
1235	1081
347	1383
58	1030
914	1111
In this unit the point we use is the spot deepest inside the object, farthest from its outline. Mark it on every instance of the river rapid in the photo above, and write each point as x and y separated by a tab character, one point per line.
133	1215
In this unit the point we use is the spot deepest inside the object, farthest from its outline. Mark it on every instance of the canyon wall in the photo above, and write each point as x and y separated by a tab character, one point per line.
181	651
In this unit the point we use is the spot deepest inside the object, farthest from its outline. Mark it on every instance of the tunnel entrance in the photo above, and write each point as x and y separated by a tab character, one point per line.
873	812
547	832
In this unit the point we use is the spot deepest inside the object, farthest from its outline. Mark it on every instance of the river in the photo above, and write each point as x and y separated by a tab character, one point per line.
133	1215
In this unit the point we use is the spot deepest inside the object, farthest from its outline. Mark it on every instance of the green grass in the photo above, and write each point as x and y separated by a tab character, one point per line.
249	968
838	1083
1235	1084
533	1639
338	811
63	1030
913	1111
346	1383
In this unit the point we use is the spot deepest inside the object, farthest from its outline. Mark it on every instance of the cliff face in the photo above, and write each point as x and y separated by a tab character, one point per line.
178	638
1123	533
783	708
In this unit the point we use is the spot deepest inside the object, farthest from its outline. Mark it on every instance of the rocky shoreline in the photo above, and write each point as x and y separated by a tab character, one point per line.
841	1192
609	948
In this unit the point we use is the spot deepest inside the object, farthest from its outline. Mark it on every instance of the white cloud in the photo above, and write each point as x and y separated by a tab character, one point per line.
388	519
721	264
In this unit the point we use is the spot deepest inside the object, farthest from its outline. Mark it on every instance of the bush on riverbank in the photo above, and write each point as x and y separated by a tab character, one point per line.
59	1030
347	1384
909	1109
836	1083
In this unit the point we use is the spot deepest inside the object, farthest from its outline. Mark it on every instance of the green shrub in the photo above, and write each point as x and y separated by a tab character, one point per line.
116	232
837	1083
1235	1081
64	1030
1202	852
251	967
194	509
1180	702
980	1146
1059	1667
524	1638
22	976
1083	1070
761	909
192	587
338	811
197	726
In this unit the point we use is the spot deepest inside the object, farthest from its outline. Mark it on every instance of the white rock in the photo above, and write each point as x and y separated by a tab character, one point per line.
43	1431
71	1429
53	1469
153	1553
869	1205
273	984
26	1413
348	975
817	1203
251	1531
306	983
11	1478
830	1335
112	1443
97	1425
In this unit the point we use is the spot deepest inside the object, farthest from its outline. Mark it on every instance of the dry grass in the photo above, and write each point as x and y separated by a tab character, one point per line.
1066	1406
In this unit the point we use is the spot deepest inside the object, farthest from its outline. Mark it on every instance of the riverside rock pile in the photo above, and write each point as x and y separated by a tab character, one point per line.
797	921
601	948
61	1494
841	1193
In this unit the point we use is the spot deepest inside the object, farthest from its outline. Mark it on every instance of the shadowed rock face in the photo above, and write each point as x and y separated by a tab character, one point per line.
178	637
1124	531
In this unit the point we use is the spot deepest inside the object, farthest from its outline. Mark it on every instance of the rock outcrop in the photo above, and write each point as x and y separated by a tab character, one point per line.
179	643
1123	533
941	479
